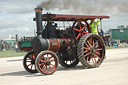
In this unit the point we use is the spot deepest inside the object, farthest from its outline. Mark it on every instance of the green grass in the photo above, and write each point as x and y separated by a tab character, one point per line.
11	53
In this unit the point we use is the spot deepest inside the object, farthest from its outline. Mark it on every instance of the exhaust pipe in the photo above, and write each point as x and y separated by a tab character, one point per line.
38	13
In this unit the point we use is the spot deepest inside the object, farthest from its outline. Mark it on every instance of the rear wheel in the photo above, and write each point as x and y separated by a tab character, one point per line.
91	50
46	62
29	62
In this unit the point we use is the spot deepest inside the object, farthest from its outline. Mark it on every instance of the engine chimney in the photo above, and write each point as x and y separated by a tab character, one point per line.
38	12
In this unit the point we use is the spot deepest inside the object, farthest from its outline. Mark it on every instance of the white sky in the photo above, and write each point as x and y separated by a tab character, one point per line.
16	16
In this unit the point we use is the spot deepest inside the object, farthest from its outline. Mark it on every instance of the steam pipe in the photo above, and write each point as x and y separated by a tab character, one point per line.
38	13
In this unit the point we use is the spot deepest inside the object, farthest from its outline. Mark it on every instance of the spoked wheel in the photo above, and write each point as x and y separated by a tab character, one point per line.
80	28
29	62
91	50
68	63
46	62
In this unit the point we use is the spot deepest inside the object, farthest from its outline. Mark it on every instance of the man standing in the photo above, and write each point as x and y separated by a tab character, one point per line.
94	25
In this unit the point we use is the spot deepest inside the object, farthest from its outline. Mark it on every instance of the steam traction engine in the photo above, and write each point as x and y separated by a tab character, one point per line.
65	46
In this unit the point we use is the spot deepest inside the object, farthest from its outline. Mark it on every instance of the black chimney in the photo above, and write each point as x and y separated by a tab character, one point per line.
38	12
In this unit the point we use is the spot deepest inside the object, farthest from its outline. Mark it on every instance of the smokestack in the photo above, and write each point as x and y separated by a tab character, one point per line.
38	13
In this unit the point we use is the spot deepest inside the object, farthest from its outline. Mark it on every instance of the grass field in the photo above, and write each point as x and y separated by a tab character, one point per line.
11	53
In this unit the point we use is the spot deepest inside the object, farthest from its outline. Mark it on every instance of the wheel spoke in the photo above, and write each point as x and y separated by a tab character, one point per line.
97	53
42	64
76	29
79	24
43	67
52	61
47	57
86	48
43	58
78	36
96	42
42	61
96	46
99	49
85	32
98	59
93	60
97	56
86	55
85	51
29	64
84	26
87	45
90	59
50	67
50	57
46	68
82	34
93	42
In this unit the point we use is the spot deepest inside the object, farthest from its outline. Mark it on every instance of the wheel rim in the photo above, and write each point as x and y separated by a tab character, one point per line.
47	63
93	50
29	62
79	31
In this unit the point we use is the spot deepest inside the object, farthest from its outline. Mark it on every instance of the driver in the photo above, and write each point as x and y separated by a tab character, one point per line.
94	25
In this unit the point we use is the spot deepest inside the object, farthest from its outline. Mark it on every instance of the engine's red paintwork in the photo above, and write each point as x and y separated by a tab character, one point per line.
55	44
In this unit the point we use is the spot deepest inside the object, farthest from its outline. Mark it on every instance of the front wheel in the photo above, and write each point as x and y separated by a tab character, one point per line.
46	62
29	62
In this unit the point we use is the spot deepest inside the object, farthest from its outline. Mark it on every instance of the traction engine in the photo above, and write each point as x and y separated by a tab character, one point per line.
66	47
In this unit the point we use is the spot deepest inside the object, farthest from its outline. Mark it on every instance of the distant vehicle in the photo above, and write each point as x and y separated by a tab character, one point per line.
25	45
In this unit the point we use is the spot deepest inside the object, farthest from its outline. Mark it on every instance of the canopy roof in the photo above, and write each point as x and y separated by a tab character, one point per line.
63	17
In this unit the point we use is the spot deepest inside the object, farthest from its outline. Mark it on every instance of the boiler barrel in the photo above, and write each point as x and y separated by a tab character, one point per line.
40	44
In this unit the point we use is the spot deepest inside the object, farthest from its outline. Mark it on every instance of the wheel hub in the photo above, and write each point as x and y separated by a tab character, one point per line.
48	63
81	31
93	50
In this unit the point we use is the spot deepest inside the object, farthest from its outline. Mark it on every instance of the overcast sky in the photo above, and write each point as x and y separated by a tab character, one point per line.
16	16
